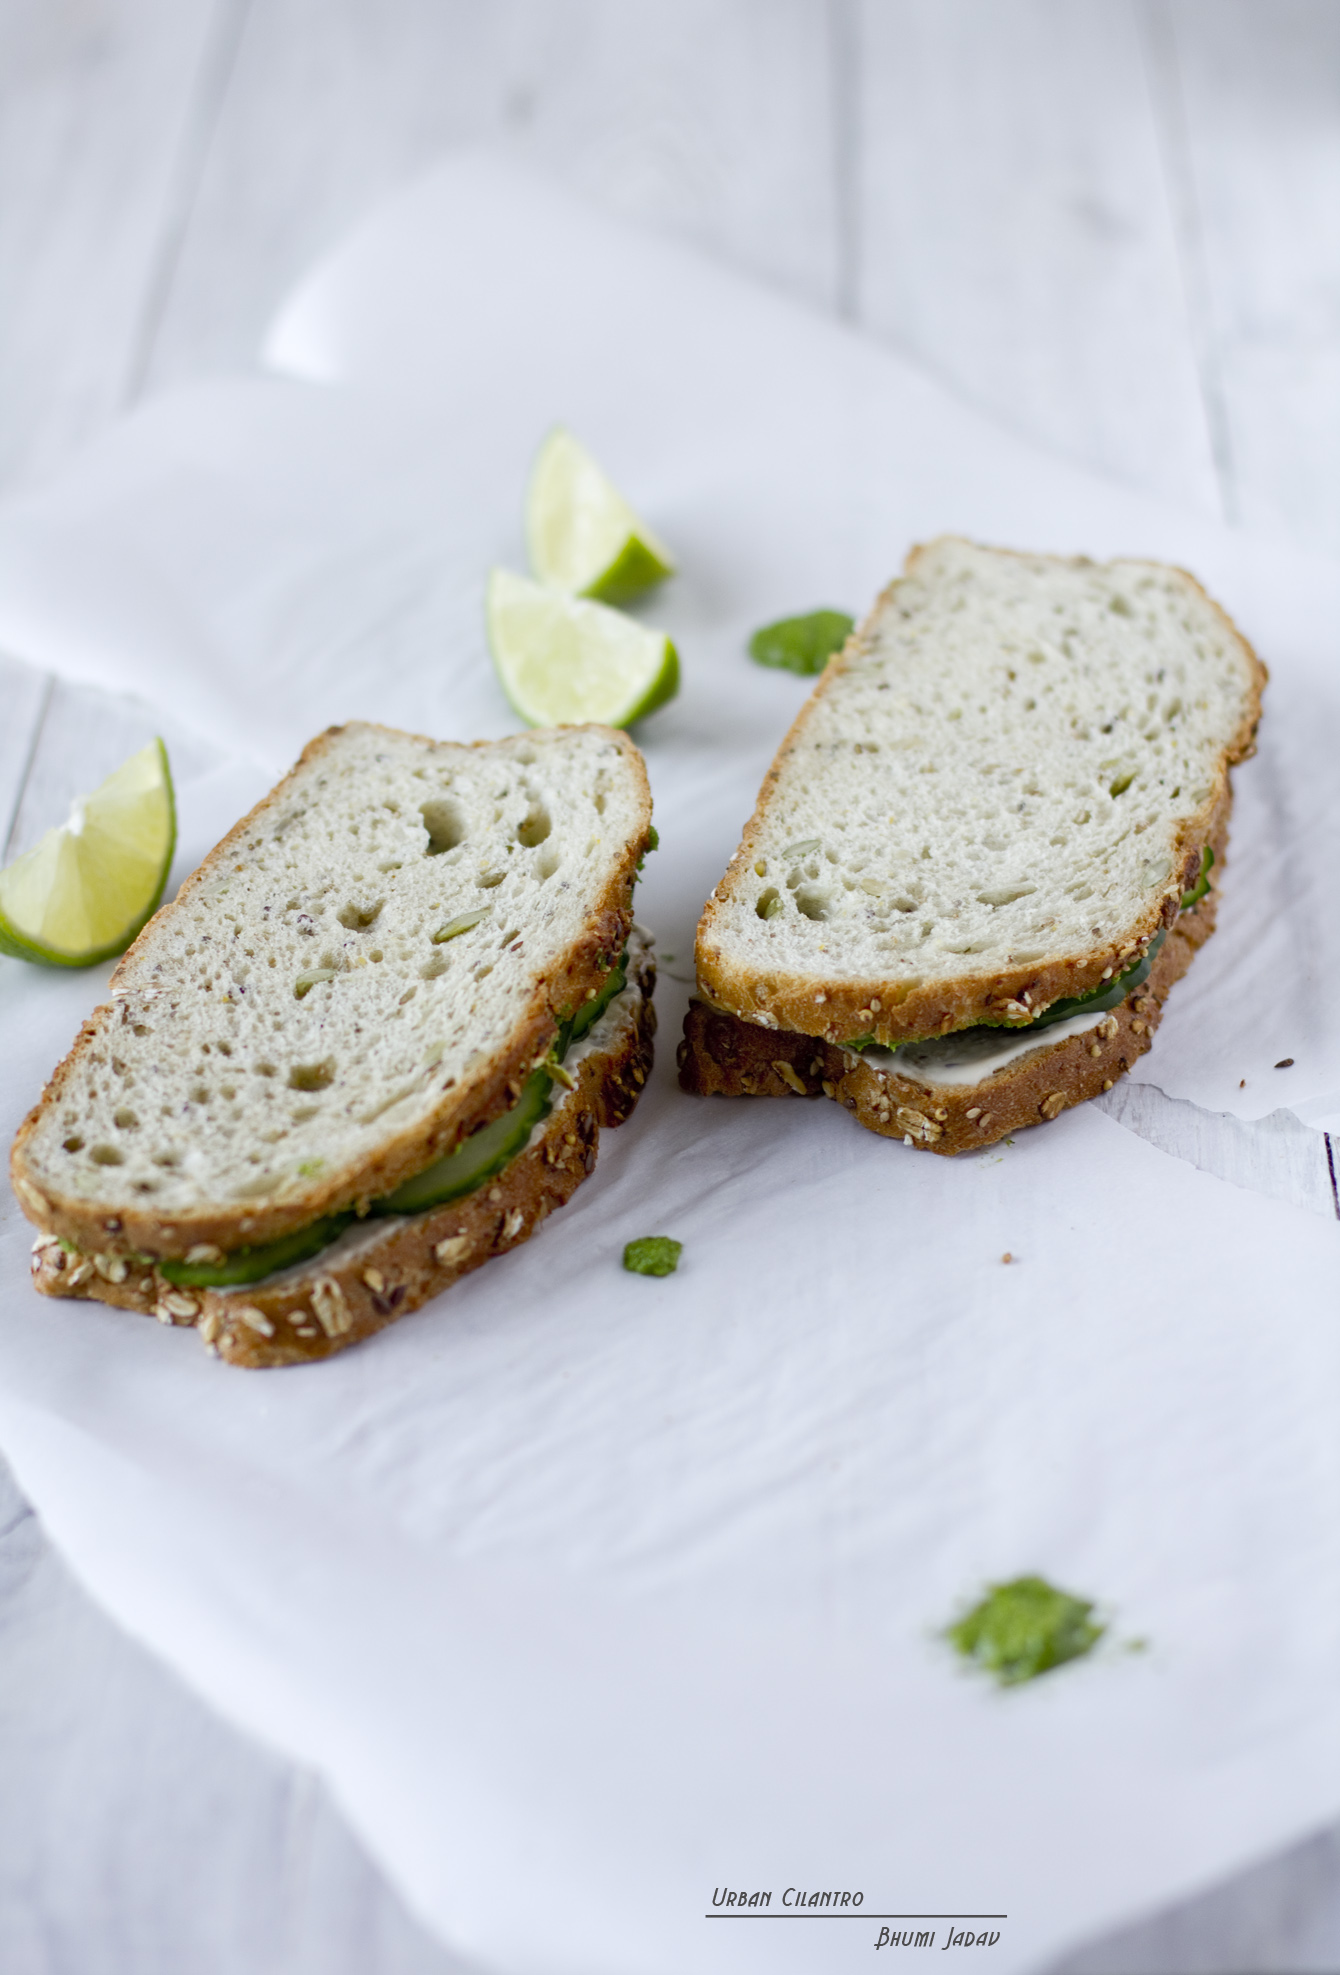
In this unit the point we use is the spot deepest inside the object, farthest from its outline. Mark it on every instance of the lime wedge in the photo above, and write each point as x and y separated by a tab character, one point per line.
581	532
84	891
563	660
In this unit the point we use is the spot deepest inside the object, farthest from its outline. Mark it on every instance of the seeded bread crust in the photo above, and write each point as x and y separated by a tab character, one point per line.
837	1008
313	1311
722	1056
123	1228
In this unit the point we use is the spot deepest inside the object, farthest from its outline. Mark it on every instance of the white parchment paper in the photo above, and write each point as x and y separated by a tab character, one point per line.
594	1595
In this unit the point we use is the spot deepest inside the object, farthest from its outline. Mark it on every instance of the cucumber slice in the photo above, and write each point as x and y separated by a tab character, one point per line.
1102	998
1097	1001
1191	899
590	1012
250	1264
483	1154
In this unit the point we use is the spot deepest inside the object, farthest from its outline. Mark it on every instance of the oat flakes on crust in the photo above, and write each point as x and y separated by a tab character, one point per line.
722	1055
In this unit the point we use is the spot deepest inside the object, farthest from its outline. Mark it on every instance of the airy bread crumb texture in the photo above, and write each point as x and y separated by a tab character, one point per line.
1002	784
354	978
380	1270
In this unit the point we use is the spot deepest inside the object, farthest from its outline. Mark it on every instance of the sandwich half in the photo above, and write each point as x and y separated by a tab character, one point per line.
986	849
370	1044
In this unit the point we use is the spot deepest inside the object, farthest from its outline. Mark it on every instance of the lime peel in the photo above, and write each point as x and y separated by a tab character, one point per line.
581	534
564	660
83	892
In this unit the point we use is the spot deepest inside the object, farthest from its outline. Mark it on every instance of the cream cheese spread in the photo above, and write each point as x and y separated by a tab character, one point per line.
973	1055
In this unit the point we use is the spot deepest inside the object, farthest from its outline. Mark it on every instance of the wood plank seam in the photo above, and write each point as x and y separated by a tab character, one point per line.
217	64
1278	1156
25	773
23	1513
1158	43
844	96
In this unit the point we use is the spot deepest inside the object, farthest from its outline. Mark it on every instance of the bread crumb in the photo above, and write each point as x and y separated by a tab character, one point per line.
1007	1257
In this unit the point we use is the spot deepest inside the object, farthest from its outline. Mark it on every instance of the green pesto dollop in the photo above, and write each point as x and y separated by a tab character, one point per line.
801	644
1025	1628
653	1255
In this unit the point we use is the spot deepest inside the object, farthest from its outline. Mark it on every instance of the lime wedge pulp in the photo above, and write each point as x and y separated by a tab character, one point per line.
581	533
84	891
563	660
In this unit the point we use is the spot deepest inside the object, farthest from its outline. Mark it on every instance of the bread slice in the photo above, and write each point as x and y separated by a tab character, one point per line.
380	1270
998	797
995	798
364	971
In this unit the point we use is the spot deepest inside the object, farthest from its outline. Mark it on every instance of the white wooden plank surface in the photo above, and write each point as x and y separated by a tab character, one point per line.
1014	230
1277	1156
80	736
1278	1918
139	1833
1112	223
97	100
24	694
334	102
1261	90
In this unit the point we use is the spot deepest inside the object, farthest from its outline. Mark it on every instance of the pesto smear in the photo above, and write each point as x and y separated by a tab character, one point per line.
1025	1628
653	1255
801	644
